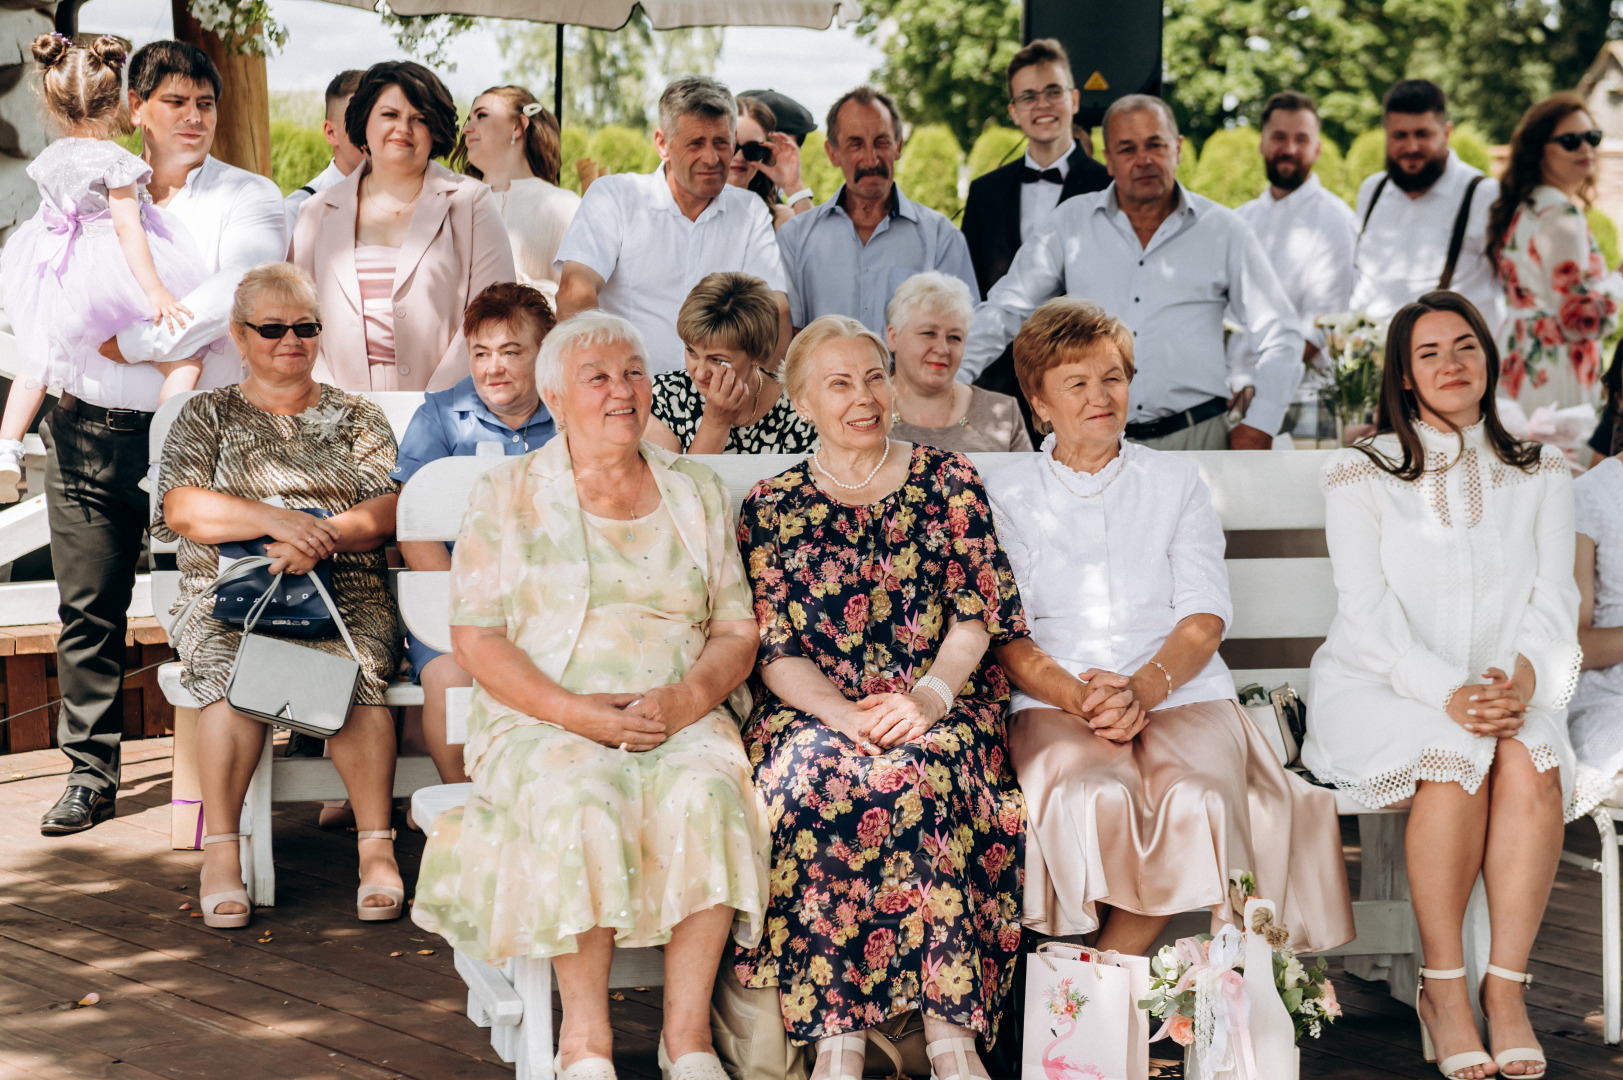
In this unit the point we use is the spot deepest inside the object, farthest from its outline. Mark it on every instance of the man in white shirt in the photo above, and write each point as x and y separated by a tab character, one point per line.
639	244
1308	232
1409	214
1168	263
848	255
345	157
96	438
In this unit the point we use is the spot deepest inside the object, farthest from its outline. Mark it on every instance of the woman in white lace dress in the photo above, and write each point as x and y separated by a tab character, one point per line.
1595	715
1446	673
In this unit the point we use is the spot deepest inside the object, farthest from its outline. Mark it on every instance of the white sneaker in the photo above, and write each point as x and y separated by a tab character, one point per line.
11	470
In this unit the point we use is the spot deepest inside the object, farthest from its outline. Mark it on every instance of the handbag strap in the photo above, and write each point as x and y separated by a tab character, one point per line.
265	598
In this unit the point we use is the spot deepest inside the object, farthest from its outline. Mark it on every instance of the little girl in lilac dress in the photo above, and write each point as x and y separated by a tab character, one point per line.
97	255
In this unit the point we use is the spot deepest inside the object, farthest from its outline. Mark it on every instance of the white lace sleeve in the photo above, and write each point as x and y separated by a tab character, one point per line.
1548	632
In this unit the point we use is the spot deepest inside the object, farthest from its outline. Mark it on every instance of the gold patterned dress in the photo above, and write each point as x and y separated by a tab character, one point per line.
563	834
333	456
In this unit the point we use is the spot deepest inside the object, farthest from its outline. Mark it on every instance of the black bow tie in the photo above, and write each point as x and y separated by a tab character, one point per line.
1028	175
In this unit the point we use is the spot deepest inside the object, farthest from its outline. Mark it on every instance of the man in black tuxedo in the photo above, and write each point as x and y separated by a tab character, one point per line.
1010	204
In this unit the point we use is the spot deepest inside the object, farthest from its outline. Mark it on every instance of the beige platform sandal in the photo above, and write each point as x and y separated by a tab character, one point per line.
1454	1063
1527	1055
379	912
839	1046
208	904
961	1050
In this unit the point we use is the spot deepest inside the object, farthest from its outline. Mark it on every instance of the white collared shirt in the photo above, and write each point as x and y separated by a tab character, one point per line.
1309	237
235	220
631	232
1037	201
1107	564
326	178
1172	293
1403	248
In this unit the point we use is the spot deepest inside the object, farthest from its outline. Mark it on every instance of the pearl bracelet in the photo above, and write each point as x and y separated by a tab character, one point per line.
1164	672
939	688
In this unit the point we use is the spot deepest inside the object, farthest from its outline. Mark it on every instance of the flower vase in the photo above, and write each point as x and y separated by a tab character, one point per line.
1273	1034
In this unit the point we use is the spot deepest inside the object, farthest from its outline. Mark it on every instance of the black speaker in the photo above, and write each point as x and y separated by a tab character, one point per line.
1115	47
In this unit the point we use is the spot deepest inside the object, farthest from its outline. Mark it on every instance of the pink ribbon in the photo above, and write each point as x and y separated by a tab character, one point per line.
1234	1018
68	227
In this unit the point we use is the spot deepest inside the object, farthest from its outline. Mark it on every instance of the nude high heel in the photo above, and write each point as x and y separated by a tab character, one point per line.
378	912
213	900
1454	1062
1528	1055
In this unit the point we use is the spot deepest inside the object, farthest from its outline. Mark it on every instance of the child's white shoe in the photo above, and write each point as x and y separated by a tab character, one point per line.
11	470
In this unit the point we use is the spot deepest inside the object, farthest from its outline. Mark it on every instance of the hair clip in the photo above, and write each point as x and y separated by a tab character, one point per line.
64	37
531	109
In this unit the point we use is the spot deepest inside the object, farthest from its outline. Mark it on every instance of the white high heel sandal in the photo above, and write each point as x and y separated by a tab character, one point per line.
208	904
961	1049
838	1045
1527	1055
1454	1062
393	893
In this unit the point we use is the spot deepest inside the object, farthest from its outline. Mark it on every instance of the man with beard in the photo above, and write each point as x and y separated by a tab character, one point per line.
1308	233
640	243
1424	221
848	255
1168	263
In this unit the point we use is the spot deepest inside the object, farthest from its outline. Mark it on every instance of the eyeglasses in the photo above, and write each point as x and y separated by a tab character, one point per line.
276	331
1048	95
756	152
1573	139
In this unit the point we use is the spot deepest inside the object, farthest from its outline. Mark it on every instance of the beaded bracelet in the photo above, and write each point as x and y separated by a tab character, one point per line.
1166	673
939	688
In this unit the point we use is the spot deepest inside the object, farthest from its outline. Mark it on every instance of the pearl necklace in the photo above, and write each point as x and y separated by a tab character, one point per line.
817	460
1059	474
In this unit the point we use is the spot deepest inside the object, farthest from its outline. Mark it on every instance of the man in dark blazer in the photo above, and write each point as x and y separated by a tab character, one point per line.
1011	203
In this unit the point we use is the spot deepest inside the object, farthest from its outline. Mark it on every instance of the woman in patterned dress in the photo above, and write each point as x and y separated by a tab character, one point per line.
727	402
878	743
1445	676
598	600
1560	296
280	434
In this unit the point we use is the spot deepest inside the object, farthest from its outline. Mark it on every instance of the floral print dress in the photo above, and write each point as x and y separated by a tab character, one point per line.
1561	300
897	878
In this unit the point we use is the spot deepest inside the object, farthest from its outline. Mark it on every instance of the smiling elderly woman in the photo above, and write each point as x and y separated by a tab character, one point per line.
879	586
598	600
281	434
1146	784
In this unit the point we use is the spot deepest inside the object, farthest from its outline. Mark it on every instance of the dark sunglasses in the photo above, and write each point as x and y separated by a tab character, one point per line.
756	152
1574	139
276	331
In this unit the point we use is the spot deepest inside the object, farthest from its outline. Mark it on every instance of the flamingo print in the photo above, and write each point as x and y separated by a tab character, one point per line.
1065	1002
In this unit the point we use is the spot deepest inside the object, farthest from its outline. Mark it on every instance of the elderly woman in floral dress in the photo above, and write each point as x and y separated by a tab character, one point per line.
878	741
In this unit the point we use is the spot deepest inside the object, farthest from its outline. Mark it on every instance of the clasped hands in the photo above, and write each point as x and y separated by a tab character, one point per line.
1494	708
1116	706
299	540
881	722
635	722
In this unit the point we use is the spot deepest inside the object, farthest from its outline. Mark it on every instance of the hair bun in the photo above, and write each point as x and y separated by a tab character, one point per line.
109	50
50	49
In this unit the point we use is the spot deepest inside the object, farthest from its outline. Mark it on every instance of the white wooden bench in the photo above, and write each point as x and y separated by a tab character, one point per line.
277	779
1274	598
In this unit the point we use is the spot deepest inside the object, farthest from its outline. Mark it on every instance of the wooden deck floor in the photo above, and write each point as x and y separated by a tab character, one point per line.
310	992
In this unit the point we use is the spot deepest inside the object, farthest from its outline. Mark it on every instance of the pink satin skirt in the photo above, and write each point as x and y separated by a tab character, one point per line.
1157	825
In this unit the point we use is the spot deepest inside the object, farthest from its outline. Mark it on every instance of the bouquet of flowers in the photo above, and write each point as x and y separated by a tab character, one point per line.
1351	364
1306	992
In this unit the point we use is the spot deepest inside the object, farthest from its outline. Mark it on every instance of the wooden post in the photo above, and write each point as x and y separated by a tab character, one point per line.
243	135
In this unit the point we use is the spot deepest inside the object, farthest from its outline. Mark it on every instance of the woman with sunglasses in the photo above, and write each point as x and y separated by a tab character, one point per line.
766	161
1560	296
241	463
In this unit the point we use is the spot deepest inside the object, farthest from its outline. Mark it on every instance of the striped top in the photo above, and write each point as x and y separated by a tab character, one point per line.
374	265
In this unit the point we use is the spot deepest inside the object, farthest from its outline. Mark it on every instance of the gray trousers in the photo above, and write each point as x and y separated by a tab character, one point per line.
1210	434
98	516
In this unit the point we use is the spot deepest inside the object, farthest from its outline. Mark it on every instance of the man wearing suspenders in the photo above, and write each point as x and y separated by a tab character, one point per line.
1423	223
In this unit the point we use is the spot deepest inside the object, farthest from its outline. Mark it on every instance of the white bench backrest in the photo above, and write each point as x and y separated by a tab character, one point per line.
1273	597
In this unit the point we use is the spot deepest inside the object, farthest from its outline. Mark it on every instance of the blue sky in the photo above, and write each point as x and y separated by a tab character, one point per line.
812	66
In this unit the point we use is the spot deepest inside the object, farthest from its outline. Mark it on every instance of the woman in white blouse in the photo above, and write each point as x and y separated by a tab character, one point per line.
1446	673
511	143
1595	714
1145	783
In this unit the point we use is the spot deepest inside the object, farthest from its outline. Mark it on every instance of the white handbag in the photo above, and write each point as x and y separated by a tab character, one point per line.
283	682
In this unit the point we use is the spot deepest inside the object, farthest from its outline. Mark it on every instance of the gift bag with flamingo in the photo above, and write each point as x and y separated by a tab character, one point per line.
1082	1016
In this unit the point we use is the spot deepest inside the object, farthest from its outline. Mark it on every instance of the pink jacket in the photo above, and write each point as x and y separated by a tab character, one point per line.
455	246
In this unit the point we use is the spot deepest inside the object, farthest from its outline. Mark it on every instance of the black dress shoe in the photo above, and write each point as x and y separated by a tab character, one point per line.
78	809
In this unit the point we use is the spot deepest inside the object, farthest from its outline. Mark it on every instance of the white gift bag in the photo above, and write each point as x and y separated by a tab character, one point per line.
1082	1017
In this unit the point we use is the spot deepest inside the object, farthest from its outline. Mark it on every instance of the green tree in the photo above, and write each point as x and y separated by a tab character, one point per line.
995	145
944	59
1331	170
1230	168
572	142
297	154
817	170
621	149
927	171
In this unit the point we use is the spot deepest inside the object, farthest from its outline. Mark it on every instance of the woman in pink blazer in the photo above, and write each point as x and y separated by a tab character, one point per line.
402	244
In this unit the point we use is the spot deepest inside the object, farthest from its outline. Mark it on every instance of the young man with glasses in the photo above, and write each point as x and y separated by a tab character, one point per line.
1423	220
1012	203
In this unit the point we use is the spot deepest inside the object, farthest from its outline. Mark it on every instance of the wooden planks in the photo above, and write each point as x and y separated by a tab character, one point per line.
28	655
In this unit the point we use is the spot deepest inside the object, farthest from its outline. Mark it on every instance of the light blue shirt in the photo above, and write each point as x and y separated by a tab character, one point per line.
452	423
832	272
1171	292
